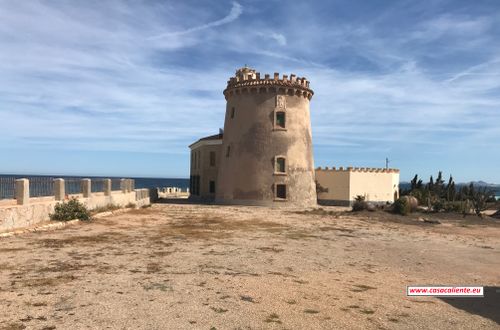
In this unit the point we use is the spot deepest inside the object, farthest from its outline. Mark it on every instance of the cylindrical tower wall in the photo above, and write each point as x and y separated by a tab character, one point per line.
256	134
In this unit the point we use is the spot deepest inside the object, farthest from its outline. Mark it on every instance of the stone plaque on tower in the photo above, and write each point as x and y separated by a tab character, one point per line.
280	101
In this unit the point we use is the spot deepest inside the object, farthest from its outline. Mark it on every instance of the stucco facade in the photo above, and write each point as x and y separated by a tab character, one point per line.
266	152
341	186
205	159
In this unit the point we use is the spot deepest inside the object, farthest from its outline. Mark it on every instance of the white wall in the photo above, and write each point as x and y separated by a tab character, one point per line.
376	185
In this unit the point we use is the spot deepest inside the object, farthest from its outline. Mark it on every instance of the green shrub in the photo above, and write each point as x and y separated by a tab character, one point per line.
70	210
438	205
453	207
402	206
359	204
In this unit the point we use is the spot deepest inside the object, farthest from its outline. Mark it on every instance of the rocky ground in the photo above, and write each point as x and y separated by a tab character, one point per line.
181	266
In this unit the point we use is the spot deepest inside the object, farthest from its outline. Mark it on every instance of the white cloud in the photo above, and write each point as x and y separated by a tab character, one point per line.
279	38
454	25
235	12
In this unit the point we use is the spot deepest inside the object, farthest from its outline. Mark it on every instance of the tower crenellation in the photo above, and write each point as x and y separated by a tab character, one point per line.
246	78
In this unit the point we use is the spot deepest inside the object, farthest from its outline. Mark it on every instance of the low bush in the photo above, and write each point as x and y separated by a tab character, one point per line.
457	207
70	210
438	205
359	204
402	206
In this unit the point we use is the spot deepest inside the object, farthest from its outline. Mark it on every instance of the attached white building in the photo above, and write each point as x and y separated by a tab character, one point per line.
341	186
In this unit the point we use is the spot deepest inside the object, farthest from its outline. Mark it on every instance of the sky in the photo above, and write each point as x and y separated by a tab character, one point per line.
121	88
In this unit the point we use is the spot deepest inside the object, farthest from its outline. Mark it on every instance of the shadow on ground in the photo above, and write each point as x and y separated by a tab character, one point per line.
487	306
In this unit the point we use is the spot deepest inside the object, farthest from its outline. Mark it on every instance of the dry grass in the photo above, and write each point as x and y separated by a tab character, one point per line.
106	237
5	250
205	228
46	281
58	266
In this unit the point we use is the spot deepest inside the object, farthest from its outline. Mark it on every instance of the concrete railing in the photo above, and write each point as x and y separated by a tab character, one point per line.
23	189
26	210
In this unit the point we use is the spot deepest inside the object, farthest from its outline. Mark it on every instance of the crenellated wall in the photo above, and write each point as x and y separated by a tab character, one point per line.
359	169
340	186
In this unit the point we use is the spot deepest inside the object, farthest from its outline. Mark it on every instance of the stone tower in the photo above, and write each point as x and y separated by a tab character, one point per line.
266	156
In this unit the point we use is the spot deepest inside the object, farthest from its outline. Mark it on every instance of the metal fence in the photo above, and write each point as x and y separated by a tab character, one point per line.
116	184
7	187
41	186
97	185
72	186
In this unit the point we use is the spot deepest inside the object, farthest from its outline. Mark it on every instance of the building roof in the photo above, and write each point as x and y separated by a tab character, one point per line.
212	139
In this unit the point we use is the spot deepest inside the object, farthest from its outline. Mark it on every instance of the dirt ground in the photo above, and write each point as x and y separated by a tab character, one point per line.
181	266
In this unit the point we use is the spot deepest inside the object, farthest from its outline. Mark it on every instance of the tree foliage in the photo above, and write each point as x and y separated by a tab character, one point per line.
441	196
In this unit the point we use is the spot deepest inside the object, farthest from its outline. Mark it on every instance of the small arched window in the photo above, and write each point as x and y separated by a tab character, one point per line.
280	165
232	112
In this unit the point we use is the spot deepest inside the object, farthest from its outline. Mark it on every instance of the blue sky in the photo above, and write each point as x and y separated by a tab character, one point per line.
123	87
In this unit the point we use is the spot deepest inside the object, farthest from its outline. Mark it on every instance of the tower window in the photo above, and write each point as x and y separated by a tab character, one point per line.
281	191
280	165
211	187
232	112
280	119
228	151
212	158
